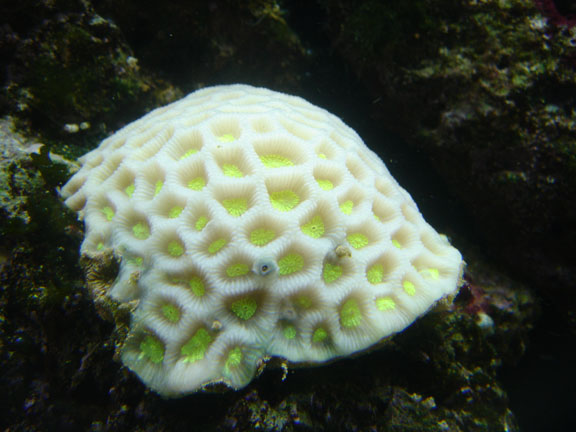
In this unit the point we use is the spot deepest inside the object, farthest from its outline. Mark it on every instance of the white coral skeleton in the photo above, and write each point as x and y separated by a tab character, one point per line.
252	224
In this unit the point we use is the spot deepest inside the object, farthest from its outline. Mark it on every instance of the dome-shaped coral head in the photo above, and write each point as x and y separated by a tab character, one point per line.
251	224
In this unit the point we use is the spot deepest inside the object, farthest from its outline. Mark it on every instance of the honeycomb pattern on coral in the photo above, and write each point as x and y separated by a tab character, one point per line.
252	224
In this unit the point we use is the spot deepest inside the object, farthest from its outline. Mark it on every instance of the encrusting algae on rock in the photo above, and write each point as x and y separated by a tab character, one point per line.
251	224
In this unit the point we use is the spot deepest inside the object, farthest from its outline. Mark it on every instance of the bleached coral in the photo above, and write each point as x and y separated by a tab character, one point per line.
252	224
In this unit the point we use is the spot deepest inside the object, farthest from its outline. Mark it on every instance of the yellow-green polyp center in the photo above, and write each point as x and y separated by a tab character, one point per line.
152	349
197	286
141	231
234	359
196	347
244	308
319	335
350	314
275	161
314	228
235	206
284	200
331	272
171	313
175	248
197	183
290	263
357	240
237	270
262	236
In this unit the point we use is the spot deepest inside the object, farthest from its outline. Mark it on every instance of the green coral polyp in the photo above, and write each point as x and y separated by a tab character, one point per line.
432	273
319	335
385	303
332	272
289	332
375	274
152	349
226	138
235	206
141	231
234	359
232	170
244	308
158	187
325	184
200	223
108	213
358	240
130	190
304	302
275	161
350	314
135	261
262	236
284	200
175	212
171	313
314	228
196	347
197	183
346	207
237	270
217	245
197	286
290	263
175	249
409	287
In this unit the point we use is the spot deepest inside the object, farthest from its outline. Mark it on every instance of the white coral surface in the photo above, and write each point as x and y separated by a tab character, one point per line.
253	224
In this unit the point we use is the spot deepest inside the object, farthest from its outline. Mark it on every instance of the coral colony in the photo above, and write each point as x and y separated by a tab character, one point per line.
251	224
